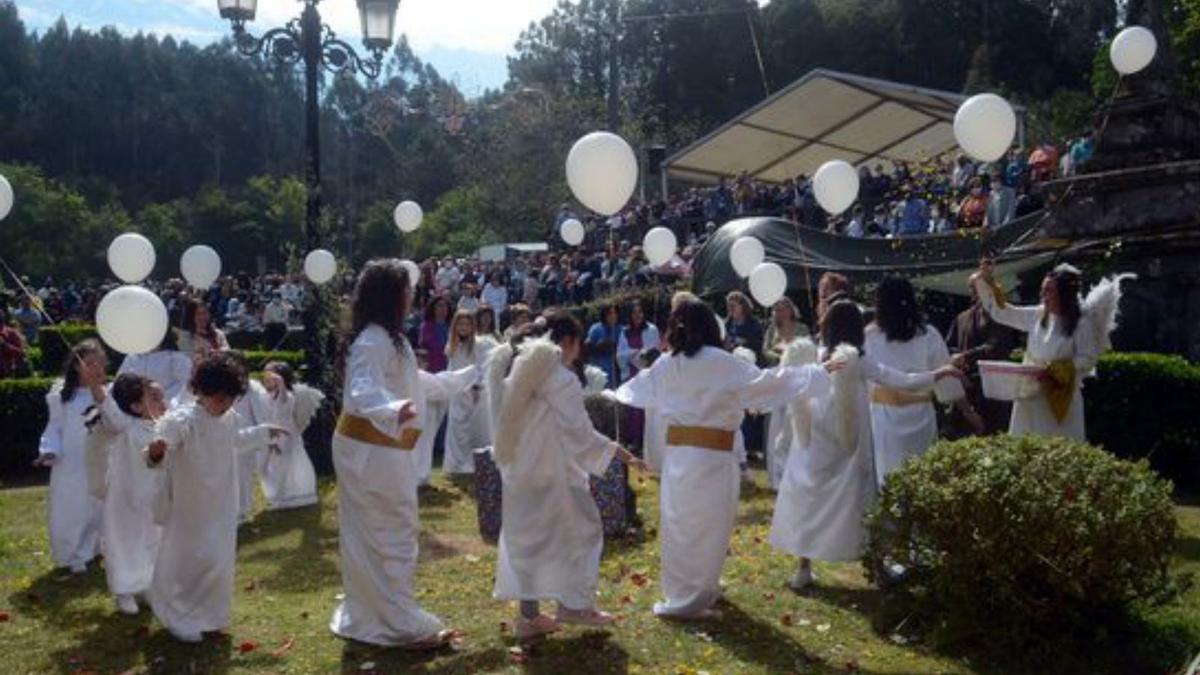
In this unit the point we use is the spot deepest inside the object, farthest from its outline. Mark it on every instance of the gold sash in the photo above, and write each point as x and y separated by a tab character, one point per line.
701	437
1060	387
897	397
362	430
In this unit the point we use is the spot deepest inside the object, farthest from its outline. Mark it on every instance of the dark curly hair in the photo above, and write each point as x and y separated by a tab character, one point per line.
558	326
219	373
693	326
896	311
842	324
381	297
129	389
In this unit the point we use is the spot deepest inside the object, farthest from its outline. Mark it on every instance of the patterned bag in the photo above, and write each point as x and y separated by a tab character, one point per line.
611	491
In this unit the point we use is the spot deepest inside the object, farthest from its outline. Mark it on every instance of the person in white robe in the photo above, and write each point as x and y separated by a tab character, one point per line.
168	366
702	393
467	428
74	518
830	482
197	446
1065	337
130	536
904	422
252	410
546	448
383	402
785	327
286	474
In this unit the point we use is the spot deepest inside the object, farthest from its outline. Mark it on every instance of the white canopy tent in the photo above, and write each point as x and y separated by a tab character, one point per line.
822	116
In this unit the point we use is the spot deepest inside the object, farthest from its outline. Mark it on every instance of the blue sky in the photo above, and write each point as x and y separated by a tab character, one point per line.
466	40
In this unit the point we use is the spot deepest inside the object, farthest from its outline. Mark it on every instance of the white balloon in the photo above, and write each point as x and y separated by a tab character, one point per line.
768	283
131	257
985	126
572	232
131	320
659	245
835	185
602	172
6	197
746	254
1132	50
320	266
414	272
408	216
200	266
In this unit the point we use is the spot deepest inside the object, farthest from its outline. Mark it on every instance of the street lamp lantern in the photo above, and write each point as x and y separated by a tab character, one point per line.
378	22
237	10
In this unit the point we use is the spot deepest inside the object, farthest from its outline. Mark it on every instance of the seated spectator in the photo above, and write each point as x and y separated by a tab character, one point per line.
973	210
1002	203
12	348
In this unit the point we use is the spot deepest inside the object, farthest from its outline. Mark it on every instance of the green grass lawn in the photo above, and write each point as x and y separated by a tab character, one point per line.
287	582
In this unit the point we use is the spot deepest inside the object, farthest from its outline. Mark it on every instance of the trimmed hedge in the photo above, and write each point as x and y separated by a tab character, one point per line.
56	341
257	360
1066	538
1144	406
23	418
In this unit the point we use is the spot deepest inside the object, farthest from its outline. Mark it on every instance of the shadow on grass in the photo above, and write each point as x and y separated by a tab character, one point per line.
318	545
583	654
1188	548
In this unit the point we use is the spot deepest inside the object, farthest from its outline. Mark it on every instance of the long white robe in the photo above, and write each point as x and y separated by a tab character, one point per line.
432	418
287	476
904	431
778	445
130	536
74	518
830	482
192	588
552	536
252	410
468	428
700	487
170	369
1044	345
377	493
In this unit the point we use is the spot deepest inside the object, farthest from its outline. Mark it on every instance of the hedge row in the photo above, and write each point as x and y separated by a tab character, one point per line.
1144	406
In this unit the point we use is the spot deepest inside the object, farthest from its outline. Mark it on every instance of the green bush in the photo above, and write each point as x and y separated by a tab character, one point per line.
1010	540
1144	405
257	360
56	341
257	341
23	418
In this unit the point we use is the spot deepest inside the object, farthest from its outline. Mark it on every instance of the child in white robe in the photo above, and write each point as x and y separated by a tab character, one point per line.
129	535
829	481
702	392
287	475
383	401
467	426
75	514
551	536
192	588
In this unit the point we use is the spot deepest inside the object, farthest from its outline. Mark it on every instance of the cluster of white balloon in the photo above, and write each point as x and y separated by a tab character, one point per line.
984	126
602	172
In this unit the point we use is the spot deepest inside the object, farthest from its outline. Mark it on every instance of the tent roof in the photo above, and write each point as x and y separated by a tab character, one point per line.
822	116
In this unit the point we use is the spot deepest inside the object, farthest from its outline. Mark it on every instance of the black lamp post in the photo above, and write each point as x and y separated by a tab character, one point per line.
306	39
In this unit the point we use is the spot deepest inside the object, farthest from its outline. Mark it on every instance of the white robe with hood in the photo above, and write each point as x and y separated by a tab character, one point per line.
699	493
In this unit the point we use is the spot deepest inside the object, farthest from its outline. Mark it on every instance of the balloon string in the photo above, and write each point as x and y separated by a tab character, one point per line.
36	303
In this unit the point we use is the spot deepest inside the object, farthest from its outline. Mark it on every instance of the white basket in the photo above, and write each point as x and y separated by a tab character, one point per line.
1008	381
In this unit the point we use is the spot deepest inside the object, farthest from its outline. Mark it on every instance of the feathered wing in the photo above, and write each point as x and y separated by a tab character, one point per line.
1102	307
534	362
597	381
845	396
308	402
800	352
494	371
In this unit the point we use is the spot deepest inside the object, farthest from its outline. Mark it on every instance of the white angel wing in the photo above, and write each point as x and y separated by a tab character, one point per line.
800	352
1102	306
597	381
308	402
845	391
